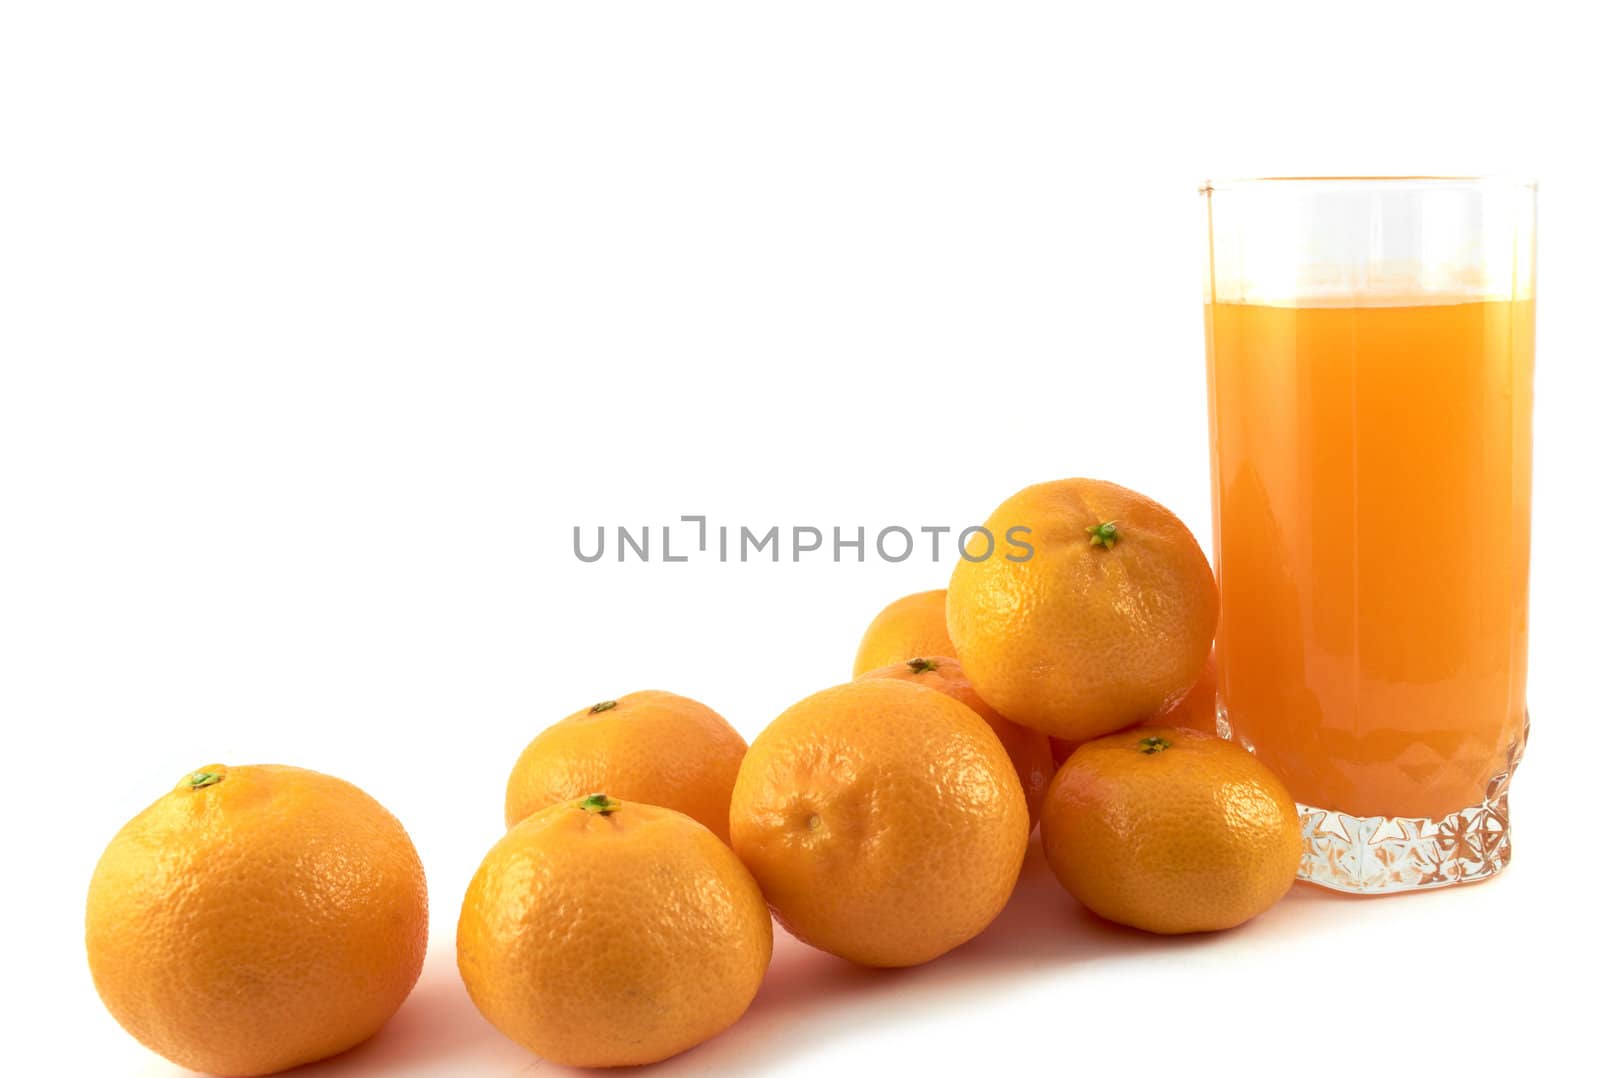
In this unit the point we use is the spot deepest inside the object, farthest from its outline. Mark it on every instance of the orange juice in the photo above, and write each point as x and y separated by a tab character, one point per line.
1371	473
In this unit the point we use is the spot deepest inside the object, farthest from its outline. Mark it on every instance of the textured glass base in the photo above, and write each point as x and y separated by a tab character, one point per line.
1387	854
1383	854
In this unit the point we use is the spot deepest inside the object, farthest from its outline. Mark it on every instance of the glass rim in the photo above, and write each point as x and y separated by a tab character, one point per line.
1375	182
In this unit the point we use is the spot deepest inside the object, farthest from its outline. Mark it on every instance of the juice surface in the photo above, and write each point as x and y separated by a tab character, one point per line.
1371	471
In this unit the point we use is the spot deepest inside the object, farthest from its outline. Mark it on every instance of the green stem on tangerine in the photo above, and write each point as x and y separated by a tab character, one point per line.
1152	745
922	666
201	779
1104	534
604	705
600	803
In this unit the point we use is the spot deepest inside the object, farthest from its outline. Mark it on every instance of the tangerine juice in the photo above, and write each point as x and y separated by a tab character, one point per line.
1371	471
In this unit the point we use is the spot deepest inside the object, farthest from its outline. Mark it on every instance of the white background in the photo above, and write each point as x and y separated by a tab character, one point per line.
322	326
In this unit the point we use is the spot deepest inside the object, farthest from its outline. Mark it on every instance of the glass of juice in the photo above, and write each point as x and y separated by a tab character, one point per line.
1369	346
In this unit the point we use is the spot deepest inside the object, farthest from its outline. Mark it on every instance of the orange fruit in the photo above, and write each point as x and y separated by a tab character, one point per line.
1029	749
257	918
1170	830
884	822
650	746
908	627
1195	708
1110	617
607	933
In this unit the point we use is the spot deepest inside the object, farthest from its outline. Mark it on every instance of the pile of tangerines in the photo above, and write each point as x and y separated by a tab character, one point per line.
256	918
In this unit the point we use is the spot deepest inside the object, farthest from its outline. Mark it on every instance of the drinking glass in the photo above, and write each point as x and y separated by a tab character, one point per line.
1369	346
